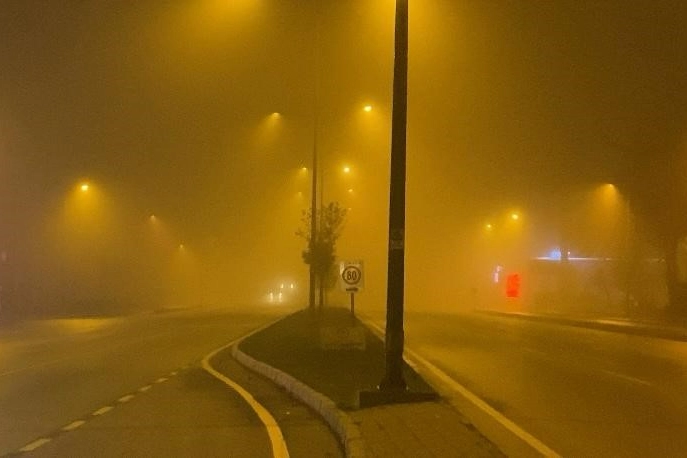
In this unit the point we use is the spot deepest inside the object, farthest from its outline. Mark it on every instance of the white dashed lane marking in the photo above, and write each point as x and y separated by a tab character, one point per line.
35	444
102	410
126	398
73	425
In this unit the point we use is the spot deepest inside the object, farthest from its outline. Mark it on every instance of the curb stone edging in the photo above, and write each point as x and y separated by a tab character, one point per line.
341	424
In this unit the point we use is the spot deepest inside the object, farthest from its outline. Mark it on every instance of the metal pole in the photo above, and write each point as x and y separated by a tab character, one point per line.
313	218
313	203
629	255
393	379
322	279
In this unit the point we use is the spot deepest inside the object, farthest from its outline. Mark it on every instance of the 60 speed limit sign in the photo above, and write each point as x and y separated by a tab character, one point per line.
351	276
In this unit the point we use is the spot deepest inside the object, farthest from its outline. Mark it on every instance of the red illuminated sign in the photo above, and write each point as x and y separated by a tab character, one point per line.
513	285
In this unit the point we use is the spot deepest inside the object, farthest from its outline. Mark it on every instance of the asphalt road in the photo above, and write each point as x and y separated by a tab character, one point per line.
133	386
581	392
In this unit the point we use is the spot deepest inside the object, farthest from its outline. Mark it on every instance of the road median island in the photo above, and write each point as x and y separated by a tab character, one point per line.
294	346
328	376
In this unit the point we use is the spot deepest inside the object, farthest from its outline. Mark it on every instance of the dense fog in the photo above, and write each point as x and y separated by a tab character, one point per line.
156	154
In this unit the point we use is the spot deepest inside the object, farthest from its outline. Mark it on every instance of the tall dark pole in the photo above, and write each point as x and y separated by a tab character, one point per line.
313	197
393	378
313	215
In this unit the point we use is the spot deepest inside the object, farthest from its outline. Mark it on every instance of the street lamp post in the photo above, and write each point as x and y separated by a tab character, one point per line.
393	379
313	220
313	197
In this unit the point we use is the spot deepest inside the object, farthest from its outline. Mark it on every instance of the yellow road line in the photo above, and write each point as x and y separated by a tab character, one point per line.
279	449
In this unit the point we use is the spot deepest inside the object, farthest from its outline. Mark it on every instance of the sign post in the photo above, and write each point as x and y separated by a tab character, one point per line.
351	279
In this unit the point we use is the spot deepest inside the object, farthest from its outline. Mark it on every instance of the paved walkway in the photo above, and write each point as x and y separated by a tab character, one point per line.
425	429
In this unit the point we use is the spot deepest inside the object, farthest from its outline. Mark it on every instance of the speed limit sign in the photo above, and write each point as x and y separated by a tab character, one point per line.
351	276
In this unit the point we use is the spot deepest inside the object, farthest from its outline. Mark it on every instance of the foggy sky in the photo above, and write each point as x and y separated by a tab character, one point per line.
165	107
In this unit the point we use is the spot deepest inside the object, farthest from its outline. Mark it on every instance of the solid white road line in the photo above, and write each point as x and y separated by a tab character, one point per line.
35	444
628	378
474	399
279	449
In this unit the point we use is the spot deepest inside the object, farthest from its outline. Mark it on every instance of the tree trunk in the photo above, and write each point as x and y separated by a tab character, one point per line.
321	285
677	287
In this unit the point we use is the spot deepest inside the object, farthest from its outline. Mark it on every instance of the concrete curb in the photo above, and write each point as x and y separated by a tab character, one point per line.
342	424
610	325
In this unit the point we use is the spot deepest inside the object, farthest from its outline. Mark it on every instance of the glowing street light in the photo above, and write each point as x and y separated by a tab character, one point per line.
84	187
367	108
346	169
515	216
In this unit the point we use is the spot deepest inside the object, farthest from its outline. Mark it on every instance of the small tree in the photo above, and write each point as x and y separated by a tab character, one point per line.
320	250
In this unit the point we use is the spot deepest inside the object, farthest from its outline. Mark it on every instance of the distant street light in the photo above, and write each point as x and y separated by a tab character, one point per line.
84	187
368	108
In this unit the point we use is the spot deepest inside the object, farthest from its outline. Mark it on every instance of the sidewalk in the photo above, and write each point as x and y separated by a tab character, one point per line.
329	380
